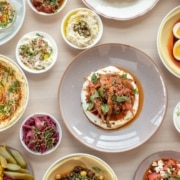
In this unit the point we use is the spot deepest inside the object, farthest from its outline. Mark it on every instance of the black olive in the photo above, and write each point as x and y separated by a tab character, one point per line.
90	173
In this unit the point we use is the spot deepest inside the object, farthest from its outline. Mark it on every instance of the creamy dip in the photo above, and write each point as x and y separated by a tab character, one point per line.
82	28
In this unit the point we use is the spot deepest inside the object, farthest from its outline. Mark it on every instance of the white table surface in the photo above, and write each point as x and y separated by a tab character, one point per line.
140	33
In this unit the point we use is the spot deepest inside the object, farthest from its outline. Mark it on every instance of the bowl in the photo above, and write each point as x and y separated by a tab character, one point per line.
166	40
8	15
82	162
14	93
176	117
165	158
36	52
47	8
14	164
81	28
40	133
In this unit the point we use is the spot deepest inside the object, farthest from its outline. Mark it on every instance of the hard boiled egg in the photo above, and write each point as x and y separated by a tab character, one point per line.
176	30
176	50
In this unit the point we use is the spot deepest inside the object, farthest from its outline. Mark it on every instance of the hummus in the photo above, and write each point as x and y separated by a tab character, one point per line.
7	14
82	28
13	93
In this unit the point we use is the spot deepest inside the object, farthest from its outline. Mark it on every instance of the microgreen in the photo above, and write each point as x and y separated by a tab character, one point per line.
94	78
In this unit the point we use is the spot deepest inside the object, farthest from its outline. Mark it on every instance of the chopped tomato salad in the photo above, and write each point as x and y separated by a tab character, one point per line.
47	6
163	169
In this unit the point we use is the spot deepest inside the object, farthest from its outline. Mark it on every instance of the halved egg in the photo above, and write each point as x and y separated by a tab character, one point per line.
176	30
176	50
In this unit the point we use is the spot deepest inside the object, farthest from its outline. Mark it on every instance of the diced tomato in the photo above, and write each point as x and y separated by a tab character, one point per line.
37	3
154	176
48	9
39	8
169	163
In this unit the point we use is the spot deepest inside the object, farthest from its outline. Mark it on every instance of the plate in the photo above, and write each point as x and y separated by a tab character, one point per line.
14	93
121	9
165	41
15	153
153	85
147	162
14	29
68	162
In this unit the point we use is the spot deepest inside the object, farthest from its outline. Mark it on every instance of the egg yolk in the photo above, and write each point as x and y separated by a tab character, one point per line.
178	32
176	50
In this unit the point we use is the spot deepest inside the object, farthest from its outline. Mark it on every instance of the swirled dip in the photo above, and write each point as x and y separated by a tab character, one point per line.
82	28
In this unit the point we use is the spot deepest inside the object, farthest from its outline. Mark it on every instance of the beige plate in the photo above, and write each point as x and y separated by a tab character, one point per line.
20	76
164	41
68	162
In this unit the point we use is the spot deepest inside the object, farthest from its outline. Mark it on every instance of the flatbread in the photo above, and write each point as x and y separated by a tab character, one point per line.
118	116
14	92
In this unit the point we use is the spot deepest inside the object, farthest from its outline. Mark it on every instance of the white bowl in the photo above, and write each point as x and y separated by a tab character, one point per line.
67	163
90	32
43	11
27	132
176	117
29	59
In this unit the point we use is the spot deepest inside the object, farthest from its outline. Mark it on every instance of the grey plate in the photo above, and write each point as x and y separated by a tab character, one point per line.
154	105
147	162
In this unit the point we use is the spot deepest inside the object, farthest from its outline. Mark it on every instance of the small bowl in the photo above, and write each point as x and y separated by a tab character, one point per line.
81	28
42	123
7	8
68	163
42	58
176	117
46	10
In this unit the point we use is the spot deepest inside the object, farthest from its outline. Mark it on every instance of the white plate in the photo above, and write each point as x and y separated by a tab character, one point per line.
121	9
153	157
138	131
14	29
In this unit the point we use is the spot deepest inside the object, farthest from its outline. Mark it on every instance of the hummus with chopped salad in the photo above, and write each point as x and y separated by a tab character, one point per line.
163	169
82	28
110	97
35	51
7	14
13	93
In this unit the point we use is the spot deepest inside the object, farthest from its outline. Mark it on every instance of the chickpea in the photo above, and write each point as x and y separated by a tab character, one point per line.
83	173
58	176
